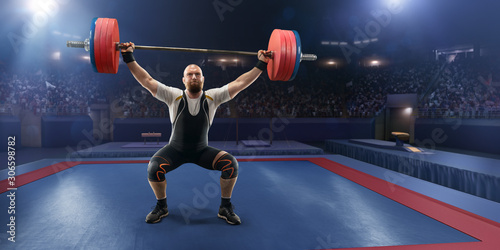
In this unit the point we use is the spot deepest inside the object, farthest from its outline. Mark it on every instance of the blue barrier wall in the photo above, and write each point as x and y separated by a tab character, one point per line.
477	135
481	135
61	131
10	126
304	129
224	129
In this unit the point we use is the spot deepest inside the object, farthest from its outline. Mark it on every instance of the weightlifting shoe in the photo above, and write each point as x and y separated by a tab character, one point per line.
157	214
228	214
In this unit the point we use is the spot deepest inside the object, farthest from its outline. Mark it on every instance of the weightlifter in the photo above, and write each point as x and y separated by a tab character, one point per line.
191	112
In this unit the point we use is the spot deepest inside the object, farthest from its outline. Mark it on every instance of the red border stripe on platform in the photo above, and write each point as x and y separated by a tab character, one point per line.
40	173
483	229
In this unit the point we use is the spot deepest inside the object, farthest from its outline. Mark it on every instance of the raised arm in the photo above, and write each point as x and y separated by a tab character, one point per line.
243	81
140	74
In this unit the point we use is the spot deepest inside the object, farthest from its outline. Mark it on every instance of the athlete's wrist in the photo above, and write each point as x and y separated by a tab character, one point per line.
261	65
128	57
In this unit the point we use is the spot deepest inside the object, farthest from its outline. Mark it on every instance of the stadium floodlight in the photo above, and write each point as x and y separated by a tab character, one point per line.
392	3
56	55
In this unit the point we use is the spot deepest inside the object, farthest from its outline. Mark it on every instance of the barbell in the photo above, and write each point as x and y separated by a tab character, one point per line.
104	48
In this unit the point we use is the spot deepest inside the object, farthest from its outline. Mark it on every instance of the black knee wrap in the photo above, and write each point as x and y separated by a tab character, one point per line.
157	168
228	165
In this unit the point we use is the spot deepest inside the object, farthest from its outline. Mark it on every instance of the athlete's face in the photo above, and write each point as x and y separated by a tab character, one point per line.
193	78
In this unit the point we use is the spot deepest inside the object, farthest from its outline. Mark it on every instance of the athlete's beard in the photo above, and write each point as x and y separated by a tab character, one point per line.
194	88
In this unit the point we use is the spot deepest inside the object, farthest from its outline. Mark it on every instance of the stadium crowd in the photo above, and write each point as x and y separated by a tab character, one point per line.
46	93
464	88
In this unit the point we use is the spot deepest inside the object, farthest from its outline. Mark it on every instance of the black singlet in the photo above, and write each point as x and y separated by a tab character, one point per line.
190	133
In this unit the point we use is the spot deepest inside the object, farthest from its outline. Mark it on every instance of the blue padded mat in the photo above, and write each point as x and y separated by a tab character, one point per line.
283	205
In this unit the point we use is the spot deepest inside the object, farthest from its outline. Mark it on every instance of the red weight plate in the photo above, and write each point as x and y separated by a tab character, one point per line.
292	53
113	52
103	46
276	64
97	45
285	43
110	48
273	64
108	51
284	53
116	40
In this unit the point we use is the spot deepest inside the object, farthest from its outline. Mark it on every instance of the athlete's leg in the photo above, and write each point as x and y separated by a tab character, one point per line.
215	159
227	186
164	161
225	162
159	188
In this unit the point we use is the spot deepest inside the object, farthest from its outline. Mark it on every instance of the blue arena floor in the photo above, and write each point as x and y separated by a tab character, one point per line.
283	205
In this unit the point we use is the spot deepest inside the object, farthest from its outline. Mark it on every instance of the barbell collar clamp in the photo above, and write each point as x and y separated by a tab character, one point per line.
79	44
308	57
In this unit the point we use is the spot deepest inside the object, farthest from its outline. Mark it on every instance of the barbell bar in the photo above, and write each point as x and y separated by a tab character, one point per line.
104	48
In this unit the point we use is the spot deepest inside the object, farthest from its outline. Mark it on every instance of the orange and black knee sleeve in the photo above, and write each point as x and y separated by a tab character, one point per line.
157	168
228	165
